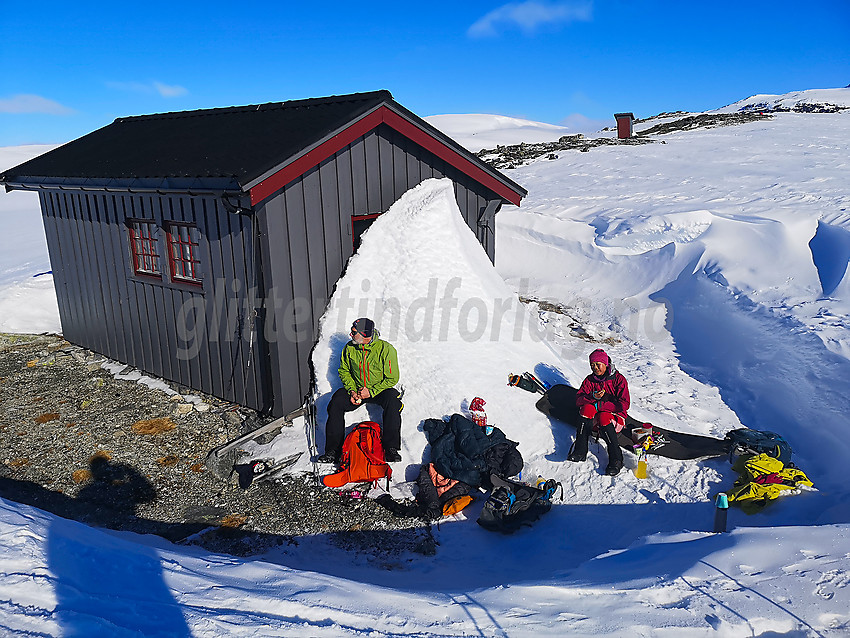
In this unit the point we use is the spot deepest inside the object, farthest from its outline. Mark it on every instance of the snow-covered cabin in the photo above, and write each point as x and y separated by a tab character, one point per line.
203	246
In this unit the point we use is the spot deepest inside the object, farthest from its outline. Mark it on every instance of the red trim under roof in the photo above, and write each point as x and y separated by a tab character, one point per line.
381	115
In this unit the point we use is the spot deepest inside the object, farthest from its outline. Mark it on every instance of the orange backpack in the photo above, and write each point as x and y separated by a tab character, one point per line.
362	457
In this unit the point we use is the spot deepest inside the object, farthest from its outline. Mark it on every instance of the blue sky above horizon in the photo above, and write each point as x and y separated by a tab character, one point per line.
70	68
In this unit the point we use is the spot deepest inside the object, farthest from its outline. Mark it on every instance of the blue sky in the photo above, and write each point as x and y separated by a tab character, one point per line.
72	67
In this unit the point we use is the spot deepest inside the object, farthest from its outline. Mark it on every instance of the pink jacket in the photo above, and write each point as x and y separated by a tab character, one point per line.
616	399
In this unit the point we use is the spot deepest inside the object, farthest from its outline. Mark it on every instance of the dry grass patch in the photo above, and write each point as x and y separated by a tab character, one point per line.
81	476
21	462
233	521
154	426
46	417
100	455
168	461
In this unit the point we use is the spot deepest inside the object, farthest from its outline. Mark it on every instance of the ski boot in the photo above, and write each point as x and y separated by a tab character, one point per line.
615	454
578	452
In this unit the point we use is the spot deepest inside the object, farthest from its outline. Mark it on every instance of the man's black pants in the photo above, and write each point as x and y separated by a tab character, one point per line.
341	403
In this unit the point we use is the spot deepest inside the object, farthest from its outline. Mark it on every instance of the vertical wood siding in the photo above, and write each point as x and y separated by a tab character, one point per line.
307	239
304	235
104	307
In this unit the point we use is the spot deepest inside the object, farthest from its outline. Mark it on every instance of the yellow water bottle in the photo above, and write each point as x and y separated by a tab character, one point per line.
641	470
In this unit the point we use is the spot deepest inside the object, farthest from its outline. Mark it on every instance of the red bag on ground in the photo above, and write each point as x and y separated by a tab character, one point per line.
362	457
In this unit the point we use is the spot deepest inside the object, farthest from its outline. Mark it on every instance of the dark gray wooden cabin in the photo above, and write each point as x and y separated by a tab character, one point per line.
203	246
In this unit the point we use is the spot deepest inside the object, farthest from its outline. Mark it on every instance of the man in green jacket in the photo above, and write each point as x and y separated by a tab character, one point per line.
368	370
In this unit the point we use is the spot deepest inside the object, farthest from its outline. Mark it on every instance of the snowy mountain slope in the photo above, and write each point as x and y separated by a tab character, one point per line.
719	235
835	97
477	131
27	299
693	262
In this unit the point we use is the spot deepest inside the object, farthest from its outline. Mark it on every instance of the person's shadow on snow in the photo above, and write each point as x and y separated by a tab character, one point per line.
104	585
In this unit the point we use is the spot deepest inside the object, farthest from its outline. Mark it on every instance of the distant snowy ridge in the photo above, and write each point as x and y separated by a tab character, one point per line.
476	131
834	97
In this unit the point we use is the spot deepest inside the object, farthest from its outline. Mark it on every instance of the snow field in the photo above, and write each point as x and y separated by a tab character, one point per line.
713	270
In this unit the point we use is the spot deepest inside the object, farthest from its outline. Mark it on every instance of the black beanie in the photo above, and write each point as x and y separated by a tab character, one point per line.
364	326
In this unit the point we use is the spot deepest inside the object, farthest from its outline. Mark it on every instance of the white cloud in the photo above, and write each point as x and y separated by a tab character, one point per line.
578	123
28	103
529	16
164	90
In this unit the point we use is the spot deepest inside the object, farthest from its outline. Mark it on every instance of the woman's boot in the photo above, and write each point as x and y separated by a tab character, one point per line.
578	452
615	454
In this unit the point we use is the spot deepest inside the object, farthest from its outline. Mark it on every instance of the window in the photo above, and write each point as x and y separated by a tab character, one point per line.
144	247
183	253
359	224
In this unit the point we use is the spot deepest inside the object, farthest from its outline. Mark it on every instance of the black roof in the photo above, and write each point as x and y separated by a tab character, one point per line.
240	143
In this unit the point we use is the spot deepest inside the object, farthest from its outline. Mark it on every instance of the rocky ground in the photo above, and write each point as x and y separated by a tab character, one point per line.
515	155
86	444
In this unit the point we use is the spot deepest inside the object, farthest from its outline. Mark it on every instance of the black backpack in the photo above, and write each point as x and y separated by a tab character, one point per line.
512	505
747	441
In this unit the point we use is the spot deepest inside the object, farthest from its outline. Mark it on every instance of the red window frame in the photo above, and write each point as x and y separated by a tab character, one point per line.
144	247
183	253
355	239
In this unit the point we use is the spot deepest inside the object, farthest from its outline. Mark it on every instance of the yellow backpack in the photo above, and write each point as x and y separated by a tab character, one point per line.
762	479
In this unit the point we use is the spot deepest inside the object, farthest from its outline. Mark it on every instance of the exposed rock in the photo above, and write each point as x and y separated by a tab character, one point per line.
519	154
705	120
183	408
62	465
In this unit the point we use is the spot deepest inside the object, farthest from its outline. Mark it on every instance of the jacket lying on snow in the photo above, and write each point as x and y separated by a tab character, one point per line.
762	479
437	491
461	450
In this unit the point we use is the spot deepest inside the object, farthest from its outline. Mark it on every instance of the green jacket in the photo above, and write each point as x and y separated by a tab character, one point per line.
373	366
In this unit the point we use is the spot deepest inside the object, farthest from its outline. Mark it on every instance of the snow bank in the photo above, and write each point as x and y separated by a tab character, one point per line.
62	578
735	241
424	279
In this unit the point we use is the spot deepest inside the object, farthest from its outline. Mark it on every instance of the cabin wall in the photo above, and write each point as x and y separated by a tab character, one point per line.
197	336
307	241
245	335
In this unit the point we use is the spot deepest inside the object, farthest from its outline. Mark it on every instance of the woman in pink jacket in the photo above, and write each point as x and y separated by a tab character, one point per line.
602	401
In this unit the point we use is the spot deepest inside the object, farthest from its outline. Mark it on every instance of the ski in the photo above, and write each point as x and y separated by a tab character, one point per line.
539	385
257	470
220	459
